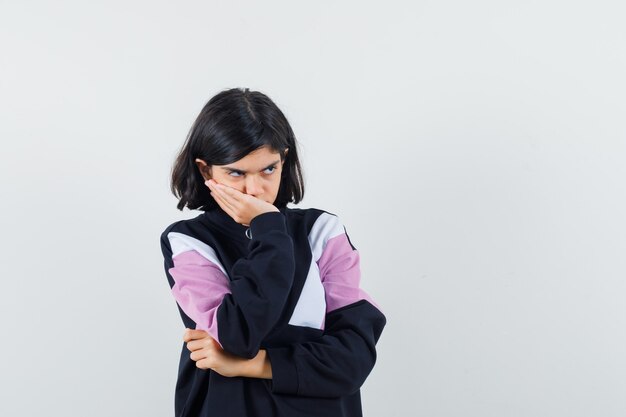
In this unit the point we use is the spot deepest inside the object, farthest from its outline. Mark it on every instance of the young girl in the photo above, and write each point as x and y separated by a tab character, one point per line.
276	323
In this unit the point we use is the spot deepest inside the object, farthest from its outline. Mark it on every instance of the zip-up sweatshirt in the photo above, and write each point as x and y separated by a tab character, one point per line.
288	283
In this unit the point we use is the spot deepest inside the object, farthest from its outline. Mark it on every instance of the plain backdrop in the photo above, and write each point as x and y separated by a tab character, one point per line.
475	152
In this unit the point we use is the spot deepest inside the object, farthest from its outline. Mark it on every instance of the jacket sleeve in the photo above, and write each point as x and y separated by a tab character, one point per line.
238	313
339	361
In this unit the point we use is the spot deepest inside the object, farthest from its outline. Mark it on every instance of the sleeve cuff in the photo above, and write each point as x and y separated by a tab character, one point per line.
268	221
284	371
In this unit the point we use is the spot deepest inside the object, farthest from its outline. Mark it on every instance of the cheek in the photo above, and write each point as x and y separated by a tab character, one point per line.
276	180
232	183
222	178
276	187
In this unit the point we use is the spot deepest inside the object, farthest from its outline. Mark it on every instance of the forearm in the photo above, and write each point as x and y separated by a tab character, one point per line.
253	307
257	367
335	364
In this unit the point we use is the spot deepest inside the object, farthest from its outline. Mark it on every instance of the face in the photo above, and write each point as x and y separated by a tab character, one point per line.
257	174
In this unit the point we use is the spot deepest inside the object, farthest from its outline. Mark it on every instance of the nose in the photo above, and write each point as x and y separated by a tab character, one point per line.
253	186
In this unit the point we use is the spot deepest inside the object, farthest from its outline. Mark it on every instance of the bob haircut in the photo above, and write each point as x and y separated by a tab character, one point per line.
232	124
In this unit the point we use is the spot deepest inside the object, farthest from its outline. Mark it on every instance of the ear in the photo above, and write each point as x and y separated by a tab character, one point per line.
205	170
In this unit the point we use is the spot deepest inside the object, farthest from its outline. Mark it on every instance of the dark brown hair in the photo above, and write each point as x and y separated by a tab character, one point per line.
232	124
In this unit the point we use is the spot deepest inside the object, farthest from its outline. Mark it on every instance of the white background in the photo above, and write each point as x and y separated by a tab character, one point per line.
474	150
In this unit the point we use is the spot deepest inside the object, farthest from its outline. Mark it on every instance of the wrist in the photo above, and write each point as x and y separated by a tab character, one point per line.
258	367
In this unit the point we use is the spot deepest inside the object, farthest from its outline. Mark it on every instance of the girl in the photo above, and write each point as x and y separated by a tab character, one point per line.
276	323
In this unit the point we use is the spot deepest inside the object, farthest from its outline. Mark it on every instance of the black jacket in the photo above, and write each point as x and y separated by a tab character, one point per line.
288	283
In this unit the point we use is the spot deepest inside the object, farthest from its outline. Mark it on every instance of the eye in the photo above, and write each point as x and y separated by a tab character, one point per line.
273	168
233	172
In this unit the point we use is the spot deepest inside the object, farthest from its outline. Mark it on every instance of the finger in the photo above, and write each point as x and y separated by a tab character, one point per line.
204	342
230	192
226	206
227	196
203	364
231	211
194	332
192	345
213	188
217	191
191	334
198	355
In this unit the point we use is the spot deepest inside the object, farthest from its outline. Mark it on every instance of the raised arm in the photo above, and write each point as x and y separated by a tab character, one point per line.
238	313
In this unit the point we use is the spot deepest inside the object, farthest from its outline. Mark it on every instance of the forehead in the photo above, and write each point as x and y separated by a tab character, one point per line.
257	159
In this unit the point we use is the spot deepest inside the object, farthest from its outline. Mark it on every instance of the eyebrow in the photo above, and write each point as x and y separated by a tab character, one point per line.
243	172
